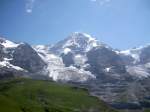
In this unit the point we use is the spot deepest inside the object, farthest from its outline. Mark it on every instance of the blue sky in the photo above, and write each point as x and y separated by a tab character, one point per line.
120	23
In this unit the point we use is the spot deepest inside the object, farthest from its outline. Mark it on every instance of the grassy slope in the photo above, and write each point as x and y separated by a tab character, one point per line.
25	95
147	110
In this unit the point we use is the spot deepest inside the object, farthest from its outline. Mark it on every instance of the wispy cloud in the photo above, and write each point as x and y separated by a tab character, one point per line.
93	0
29	5
101	2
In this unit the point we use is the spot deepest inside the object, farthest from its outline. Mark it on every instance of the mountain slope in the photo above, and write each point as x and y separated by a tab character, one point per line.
25	95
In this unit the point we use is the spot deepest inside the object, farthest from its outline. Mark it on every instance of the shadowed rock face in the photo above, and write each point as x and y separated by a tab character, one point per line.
128	60
68	59
101	58
145	55
27	58
1	53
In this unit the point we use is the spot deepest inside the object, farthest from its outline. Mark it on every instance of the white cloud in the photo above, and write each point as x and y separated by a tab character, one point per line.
93	0
29	5
102	2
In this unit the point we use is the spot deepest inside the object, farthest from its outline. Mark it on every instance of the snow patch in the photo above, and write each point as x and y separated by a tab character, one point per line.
67	50
9	44
107	69
134	53
71	74
138	71
40	47
6	63
80	60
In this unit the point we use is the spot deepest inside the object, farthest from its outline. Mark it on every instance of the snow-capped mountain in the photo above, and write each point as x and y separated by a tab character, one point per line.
19	57
67	59
5	45
57	70
75	49
78	52
85	61
76	43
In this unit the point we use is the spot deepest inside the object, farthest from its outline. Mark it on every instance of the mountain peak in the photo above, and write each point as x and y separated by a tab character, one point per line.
79	35
77	42
81	40
7	44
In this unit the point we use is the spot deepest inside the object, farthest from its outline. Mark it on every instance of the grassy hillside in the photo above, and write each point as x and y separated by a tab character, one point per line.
147	110
26	95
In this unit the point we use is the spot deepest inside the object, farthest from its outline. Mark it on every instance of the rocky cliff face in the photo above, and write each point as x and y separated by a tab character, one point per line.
27	58
1	53
145	55
104	59
18	58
